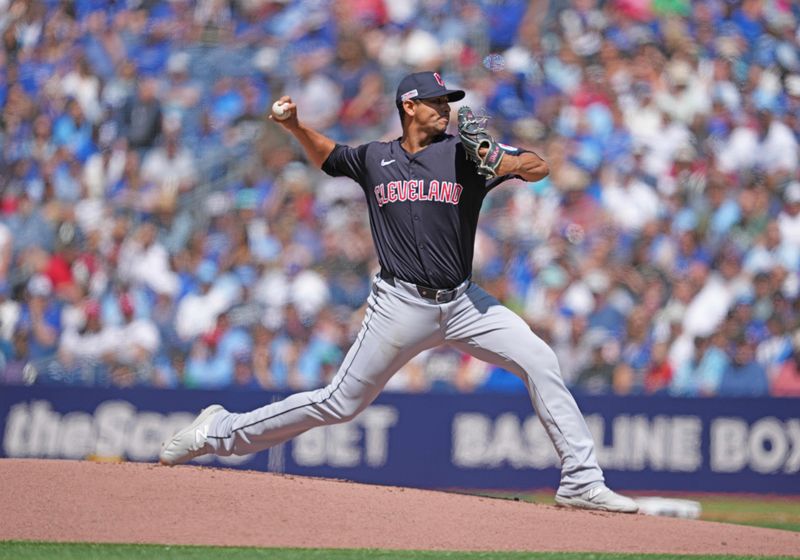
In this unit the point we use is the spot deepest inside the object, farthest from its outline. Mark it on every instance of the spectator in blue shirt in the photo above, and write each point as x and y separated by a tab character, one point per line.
744	376
243	373
41	318
31	228
206	368
73	131
701	376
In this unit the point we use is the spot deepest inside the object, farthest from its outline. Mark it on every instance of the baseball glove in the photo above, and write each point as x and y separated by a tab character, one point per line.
473	135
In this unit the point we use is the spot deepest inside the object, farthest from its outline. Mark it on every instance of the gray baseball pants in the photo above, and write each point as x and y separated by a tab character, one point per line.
399	324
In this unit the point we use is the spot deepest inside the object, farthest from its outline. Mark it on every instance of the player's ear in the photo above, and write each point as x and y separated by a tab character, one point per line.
409	107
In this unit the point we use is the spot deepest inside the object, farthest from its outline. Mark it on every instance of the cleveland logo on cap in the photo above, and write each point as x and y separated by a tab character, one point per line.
438	79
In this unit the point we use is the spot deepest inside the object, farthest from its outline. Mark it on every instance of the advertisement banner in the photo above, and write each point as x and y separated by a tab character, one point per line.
475	441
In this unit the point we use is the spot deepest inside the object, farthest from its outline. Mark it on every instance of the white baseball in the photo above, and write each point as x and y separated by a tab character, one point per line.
280	111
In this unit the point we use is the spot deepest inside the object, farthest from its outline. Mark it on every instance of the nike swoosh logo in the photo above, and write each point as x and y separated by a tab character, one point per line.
384	163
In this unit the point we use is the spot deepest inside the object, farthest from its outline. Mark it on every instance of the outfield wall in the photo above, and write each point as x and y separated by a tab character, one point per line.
477	441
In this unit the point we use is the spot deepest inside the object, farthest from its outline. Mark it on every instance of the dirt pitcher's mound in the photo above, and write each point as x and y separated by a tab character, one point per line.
141	503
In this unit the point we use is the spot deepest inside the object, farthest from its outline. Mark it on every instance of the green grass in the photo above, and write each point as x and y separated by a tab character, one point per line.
19	550
758	511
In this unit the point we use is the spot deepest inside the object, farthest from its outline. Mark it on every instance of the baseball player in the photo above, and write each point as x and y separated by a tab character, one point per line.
424	192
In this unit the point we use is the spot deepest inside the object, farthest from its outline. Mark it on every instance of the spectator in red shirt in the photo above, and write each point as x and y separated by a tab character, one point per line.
659	374
787	382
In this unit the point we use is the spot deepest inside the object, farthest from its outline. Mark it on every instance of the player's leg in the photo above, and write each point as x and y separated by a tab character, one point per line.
394	330
480	325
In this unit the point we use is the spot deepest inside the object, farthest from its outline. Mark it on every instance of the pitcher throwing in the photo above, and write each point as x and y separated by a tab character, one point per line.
424	192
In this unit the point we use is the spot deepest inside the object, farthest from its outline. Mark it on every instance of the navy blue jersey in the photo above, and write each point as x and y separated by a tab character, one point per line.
423	207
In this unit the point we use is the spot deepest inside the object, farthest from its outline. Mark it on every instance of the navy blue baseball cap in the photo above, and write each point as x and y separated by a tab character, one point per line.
424	85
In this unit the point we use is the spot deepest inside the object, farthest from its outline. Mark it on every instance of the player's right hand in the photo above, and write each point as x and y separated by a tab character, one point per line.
290	108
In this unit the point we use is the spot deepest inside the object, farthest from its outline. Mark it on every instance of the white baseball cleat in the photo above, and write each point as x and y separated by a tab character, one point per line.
190	442
599	498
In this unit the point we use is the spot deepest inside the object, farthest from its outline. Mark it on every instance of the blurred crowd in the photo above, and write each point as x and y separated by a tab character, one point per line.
157	230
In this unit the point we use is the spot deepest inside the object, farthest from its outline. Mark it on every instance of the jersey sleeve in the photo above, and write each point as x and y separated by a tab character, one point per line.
492	183
345	161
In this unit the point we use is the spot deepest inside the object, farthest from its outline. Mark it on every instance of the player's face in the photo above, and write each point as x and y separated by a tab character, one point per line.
433	113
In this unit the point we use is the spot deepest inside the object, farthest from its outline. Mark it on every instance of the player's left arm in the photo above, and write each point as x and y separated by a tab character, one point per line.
524	164
492	159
